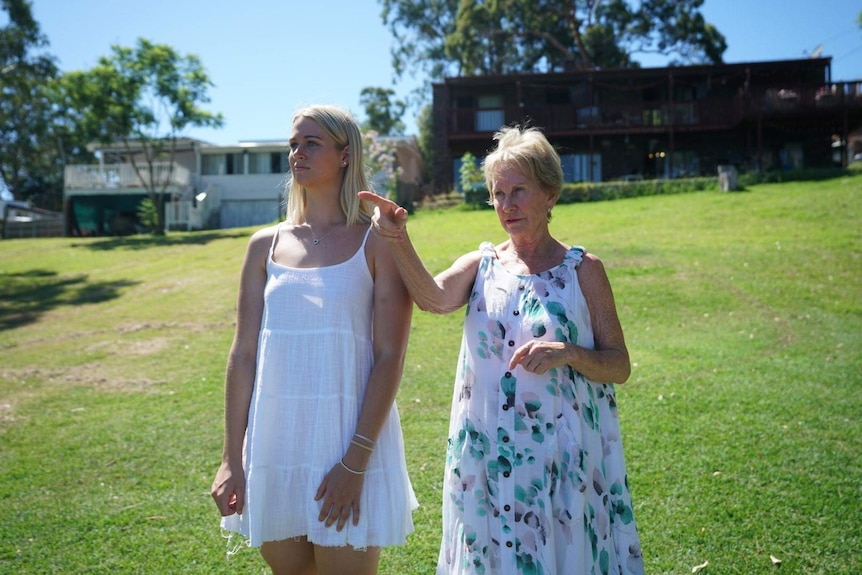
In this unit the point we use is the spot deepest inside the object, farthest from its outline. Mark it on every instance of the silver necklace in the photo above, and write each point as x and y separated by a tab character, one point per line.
316	240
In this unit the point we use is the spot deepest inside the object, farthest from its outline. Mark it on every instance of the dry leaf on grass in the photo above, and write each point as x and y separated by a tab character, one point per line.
697	568
775	560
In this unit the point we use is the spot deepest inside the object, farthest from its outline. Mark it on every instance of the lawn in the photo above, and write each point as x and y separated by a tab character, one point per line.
741	421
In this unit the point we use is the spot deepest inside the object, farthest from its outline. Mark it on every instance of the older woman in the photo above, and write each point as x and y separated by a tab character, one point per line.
535	474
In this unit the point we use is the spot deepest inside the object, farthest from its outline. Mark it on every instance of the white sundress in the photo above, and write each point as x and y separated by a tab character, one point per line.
535	479
314	359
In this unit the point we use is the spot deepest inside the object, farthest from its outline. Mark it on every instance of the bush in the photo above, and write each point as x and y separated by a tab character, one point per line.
476	196
148	215
604	191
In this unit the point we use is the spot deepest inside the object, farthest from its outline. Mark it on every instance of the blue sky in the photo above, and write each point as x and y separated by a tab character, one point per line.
269	57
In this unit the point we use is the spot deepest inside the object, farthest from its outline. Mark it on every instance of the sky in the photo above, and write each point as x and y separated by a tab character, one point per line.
267	58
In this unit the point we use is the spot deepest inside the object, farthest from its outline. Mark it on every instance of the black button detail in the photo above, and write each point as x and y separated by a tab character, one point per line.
505	408
505	439
507	508
516	312
508	374
506	474
508	543
511	343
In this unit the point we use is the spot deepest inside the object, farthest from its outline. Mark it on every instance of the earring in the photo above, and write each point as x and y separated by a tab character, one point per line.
343	164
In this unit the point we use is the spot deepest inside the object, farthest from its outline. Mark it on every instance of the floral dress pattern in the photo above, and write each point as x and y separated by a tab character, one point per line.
535	479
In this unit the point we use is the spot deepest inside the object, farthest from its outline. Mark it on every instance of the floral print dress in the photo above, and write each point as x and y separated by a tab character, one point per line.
535	478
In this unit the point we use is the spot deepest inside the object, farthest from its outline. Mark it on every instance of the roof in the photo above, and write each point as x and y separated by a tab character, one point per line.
810	63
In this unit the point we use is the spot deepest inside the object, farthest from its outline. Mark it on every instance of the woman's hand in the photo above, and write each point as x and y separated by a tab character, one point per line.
389	220
228	490
540	356
340	491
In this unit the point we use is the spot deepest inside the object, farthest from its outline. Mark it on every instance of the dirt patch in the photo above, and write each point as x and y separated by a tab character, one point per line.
31	382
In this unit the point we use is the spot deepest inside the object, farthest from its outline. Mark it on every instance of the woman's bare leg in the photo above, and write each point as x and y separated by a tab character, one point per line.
343	560
289	557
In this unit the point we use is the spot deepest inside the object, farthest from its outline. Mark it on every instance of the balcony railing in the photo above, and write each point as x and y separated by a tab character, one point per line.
645	116
92	177
659	116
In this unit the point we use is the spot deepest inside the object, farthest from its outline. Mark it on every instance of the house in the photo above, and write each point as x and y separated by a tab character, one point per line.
655	122
205	187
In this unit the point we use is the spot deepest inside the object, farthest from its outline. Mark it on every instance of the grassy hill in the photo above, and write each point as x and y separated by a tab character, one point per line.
741	421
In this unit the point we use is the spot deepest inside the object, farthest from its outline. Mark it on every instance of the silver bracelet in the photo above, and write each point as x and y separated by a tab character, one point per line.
353	471
362	445
368	439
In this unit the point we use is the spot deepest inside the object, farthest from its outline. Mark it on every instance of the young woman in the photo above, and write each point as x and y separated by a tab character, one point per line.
313	469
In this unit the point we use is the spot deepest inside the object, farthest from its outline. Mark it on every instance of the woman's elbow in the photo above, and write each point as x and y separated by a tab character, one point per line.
624	369
435	308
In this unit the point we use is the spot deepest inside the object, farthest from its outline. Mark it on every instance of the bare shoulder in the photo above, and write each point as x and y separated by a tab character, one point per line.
592	275
469	260
376	246
264	234
591	264
260	242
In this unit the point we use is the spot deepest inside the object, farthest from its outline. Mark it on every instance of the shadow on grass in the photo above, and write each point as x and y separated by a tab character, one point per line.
142	242
25	296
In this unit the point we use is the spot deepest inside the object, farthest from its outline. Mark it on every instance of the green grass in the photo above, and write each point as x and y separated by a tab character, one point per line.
741	421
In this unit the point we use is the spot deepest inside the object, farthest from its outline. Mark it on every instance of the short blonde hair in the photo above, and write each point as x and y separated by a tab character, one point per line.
341	126
531	152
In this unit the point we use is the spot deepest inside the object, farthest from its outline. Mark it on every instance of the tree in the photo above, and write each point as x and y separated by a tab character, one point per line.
143	98
30	162
480	37
425	140
382	112
381	163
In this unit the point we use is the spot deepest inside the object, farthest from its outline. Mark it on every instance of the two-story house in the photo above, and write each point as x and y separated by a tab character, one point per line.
655	122
205	187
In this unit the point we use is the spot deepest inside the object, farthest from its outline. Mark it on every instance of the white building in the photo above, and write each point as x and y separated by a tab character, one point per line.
206	186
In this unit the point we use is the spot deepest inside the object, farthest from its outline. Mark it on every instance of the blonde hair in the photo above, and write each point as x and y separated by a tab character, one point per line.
341	126
531	152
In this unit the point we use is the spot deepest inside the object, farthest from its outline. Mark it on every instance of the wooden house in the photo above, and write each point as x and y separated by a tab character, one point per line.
655	122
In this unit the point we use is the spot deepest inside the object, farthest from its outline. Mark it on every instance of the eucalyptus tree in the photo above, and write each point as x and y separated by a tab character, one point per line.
441	38
142	98
383	113
29	158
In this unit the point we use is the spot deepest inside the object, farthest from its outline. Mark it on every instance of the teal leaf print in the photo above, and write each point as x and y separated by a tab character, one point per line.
539	329
532	404
533	308
623	511
482	350
527	565
507	386
604	562
503	465
537	435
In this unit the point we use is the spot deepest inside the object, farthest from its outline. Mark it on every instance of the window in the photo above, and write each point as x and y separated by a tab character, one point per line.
259	163
576	167
221	164
213	164
490	117
267	163
235	164
686	164
278	163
